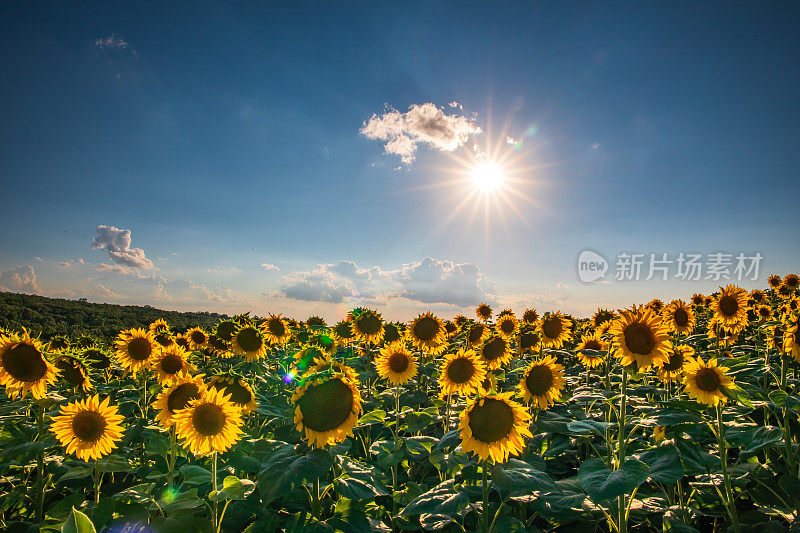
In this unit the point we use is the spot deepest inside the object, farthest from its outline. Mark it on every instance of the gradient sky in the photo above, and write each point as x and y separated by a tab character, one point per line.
226	138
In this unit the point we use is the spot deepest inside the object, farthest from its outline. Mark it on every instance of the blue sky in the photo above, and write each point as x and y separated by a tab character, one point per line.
225	138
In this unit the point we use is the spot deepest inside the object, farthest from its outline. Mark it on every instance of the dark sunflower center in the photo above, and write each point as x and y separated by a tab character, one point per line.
698	300
239	393
529	316
528	340
475	333
198	337
183	343
426	328
326	406
764	311
491	420
25	363
276	327
208	419
88	426
249	340
792	281
164	339
681	317
70	372
484	311
225	330
139	349
494	349
593	344
552	328
460	370
675	362
59	344
180	397
507	326
343	330
398	362
171	364
369	324
707	380
728	305
639	338
539	380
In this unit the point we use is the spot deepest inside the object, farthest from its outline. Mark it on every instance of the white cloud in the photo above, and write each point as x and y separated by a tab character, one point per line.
19	279
268	266
68	263
117	242
103	292
110	41
429	281
421	124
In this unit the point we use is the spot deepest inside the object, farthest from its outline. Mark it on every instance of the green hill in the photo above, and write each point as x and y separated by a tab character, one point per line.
76	318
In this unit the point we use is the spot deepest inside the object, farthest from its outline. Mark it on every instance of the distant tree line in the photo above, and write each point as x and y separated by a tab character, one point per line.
51	317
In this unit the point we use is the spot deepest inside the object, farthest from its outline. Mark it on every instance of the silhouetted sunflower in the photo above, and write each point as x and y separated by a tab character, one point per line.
530	316
342	332
483	312
774	281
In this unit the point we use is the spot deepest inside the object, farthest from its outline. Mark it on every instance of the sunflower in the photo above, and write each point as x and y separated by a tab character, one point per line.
461	373
276	330
159	326
496	352
791	341
530	316
730	307
555	330
450	329
507	325
784	291
184	343
392	332
764	312
58	344
368	326
592	341
427	334
248	340
679	317
170	363
477	334
529	339
542	382
655	305
96	358
342	332
704	382
716	331
197	339
177	396
484	312
23	366
210	423
757	296
602	316
639	336
460	320
217	346
315	321
494	426
774	281
326	363
241	393
698	300
792	281
74	372
326	409
226	329
396	364
88	428
164	338
775	336
673	369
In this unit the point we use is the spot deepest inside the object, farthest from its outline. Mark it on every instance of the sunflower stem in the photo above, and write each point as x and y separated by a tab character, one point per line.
97	479
623	520
723	455
315	506
485	509
214	481
396	416
447	414
172	454
40	465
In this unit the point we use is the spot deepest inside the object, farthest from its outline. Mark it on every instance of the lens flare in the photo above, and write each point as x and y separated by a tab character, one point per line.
288	377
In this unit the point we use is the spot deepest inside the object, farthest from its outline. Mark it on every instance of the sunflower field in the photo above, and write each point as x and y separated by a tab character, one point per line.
674	417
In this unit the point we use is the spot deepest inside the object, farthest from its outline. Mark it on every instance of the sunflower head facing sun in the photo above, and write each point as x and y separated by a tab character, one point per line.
542	382
176	397
240	392
88	428
730	307
326	409
679	357
639	336
679	317
555	330
136	349
196	338
23	366
396	364
494	427
483	312
210	423
507	325
249	341
276	330
461	373
705	381
593	341
367	325
427	333
496	352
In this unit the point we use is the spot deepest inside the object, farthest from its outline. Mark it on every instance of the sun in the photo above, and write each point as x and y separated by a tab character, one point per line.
487	177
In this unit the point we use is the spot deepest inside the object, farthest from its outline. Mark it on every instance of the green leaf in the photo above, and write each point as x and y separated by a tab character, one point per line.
603	484
76	472
286	472
442	500
520	478
735	392
233	488
195	475
419	447
378	416
359	488
587	427
158	445
753	440
665	464
184	500
114	463
77	522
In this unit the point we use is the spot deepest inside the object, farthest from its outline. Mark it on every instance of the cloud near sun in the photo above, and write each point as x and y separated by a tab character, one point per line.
421	124
428	281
